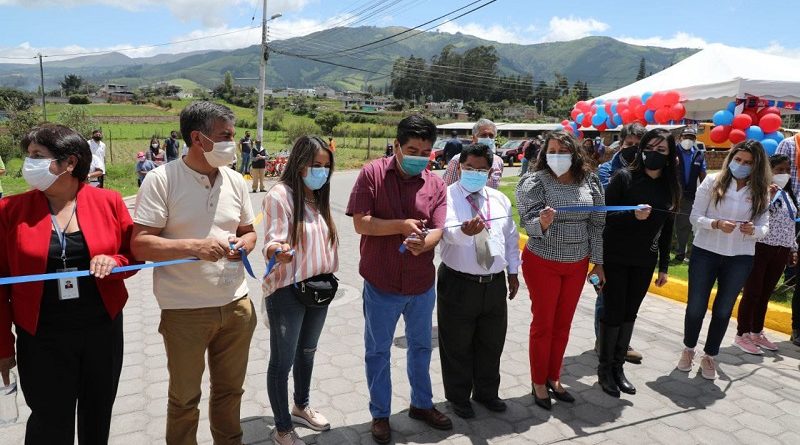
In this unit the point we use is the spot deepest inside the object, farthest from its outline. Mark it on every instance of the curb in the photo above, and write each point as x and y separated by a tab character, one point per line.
779	318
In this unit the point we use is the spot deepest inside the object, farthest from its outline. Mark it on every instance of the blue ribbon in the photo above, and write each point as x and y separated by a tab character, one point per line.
274	260
598	208
245	261
85	273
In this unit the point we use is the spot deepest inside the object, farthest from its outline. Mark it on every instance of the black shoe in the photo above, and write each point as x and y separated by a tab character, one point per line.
679	259
563	396
495	404
795	338
607	336
622	382
620	351
463	409
545	403
253	191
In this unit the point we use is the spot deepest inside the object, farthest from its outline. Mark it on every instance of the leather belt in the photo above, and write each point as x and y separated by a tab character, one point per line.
480	279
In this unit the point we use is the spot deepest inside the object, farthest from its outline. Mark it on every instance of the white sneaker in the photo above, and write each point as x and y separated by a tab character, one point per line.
744	342
686	361
289	438
310	418
708	368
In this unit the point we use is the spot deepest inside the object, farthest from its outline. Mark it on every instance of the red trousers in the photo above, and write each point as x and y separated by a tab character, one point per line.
555	289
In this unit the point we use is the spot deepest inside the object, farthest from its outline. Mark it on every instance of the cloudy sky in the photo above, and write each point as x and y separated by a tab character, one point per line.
148	27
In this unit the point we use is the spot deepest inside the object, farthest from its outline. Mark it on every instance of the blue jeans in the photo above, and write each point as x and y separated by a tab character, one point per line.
598	312
293	333
245	162
730	273
382	310
524	168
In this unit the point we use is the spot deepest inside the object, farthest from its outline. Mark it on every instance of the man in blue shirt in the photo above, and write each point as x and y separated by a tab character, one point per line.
453	147
692	168
629	138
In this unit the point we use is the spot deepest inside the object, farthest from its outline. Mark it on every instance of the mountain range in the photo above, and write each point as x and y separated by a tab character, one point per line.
603	62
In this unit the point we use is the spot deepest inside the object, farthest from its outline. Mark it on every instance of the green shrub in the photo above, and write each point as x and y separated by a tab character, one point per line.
79	99
300	128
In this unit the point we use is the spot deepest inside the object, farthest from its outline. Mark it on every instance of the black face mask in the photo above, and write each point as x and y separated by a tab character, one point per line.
654	160
628	153
97	138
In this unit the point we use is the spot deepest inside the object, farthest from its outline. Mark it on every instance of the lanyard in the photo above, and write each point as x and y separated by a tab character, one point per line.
488	216
62	236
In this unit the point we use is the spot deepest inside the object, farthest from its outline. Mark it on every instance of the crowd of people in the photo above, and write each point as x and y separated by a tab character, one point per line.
197	207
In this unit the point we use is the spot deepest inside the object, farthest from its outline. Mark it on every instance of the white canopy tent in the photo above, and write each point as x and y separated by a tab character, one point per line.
711	78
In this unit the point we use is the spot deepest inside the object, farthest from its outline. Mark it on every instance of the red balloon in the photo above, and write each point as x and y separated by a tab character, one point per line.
565	122
736	135
574	113
621	101
770	122
627	116
753	115
677	111
602	127
608	108
634	102
640	110
720	133
621	106
769	110
672	97
583	105
587	120
662	115
657	100
580	134
742	121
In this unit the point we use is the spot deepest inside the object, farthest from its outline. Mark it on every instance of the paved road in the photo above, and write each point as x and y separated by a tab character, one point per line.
755	400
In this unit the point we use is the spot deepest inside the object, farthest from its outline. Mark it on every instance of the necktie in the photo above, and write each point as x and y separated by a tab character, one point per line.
484	256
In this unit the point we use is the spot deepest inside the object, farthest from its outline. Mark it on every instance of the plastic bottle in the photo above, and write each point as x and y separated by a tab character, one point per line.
8	399
594	280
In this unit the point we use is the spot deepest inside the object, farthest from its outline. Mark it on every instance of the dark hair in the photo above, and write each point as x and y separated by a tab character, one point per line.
775	160
63	142
670	171
302	155
454	134
416	126
201	116
477	150
97	130
634	129
579	168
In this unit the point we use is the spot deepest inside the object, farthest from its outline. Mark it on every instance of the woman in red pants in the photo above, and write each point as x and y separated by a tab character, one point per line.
556	260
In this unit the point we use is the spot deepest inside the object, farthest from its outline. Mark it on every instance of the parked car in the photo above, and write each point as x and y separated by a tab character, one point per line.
437	154
511	150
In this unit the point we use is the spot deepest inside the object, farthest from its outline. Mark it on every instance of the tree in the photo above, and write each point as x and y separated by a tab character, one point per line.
228	82
19	100
20	121
474	110
78	119
71	84
327	120
641	74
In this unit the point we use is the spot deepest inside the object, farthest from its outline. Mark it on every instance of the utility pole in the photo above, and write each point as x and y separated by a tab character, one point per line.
41	74
262	71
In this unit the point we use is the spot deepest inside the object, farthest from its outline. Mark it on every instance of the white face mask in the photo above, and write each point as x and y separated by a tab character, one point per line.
154	145
687	144
559	163
36	173
223	153
781	179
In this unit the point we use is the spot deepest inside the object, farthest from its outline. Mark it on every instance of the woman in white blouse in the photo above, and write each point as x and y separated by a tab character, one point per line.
729	215
301	236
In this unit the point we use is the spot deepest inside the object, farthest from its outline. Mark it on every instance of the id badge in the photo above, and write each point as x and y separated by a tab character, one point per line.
495	246
68	287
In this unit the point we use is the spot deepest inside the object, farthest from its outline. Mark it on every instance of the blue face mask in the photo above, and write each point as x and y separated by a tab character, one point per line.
316	177
414	165
489	142
739	171
472	180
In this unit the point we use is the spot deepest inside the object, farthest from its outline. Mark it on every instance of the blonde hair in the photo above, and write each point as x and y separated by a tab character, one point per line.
759	180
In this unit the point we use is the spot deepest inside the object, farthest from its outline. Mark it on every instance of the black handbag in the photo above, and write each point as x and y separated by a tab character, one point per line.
317	291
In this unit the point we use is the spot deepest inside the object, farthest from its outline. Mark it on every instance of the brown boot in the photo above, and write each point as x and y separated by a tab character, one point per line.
381	431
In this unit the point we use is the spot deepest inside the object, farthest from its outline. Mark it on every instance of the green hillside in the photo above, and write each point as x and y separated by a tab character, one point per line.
603	62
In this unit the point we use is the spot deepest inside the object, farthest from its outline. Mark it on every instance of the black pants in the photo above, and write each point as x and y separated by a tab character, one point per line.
624	291
59	368
472	320
796	301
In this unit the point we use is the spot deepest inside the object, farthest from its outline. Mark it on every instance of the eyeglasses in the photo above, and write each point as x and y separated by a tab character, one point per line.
470	169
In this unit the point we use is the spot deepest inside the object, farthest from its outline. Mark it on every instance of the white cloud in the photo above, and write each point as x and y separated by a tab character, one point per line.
571	28
209	12
495	33
679	40
779	50
233	38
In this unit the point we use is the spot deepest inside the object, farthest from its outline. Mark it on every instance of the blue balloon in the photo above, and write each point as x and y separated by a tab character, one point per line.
598	120
579	118
574	125
614	108
731	107
646	96
755	132
770	146
599	101
723	117
776	136
650	116
617	120
610	122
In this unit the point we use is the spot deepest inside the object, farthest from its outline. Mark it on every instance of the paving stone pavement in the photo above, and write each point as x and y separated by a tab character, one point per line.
756	399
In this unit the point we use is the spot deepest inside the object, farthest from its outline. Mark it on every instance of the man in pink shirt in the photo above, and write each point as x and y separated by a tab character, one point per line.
397	202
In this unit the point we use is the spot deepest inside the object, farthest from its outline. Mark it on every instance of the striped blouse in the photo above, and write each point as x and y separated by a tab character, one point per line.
314	256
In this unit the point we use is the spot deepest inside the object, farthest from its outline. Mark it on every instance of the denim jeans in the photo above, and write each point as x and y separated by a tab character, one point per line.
598	312
730	273
382	310
293	333
245	162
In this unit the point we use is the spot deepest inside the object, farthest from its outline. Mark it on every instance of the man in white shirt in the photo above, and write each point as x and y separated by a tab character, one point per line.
98	148
480	244
198	207
97	169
